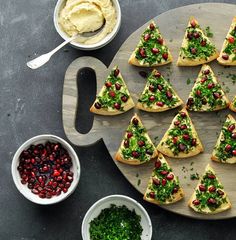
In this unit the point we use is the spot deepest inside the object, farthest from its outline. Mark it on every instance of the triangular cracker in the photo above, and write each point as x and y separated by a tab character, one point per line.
163	186
196	47
207	93
181	139
158	95
136	147
209	196
151	50
114	97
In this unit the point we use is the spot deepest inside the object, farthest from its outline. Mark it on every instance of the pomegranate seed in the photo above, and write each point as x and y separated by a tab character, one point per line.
184	126
149	151
183	114
206	72
126	143
159	87
157	164
152	26
164	172
64	190
196	202
165	56
142	52
198	92
155	50
203	43
160	41
45	168
202	188
156	181
234	152
151	88
211	176
220	192
193	23
196	34
169	94
228	147
210	85
108	84
203	79
152	195
42	195
163	182
233	135
175	190
194	142
216	95
112	94
212	189
157	74
160	104
117	106
190	101
177	123
193	50
182	147
135	154
146	37
129	134
186	137
56	173
189	35
97	105
118	86
152	98
116	72
135	121
35	191
141	143
67	184
231	39
231	127
211	201
170	177
225	56
175	140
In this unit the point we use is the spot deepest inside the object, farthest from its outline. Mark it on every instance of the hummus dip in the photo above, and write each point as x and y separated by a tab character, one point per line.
81	16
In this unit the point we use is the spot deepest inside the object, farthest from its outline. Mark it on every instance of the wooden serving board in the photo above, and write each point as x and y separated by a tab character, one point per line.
172	25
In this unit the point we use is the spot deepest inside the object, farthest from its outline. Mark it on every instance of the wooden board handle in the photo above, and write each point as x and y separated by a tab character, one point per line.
70	100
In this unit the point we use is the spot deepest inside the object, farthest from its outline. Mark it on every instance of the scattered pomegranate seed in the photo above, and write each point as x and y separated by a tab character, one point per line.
163	182
193	50
118	86
152	195
124	99
183	114
129	134
193	23
233	135
202	188
159	87
169	94
186	137
231	39
142	52
175	140
152	98
194	142
152	26
189	35
112	94
157	74
220	192
212	189
211	201
165	56
157	164
156	181
203	79
151	88
177	123
117	106
141	143
41	167
146	37
184	126
225	56
190	101
231	127
155	50
196	34
170	177
175	190
116	72
108	84
216	95
211	176
181	147
203	43
135	154
160	104
164	172
234	152
126	143
135	121
198	92
228	148
196	202
210	85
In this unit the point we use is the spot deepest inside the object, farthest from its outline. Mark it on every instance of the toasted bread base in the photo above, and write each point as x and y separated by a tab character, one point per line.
231	106
159	109
222	208
164	149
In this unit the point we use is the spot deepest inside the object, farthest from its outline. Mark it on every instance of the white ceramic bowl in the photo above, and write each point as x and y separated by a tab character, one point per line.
61	3
24	190
118	200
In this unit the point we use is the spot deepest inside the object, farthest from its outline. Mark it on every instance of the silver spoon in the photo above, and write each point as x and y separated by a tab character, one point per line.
41	60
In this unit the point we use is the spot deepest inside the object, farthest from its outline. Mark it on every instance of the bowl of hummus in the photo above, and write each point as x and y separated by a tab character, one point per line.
96	21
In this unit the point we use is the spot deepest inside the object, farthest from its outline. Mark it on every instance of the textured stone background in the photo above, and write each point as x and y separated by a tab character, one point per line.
30	104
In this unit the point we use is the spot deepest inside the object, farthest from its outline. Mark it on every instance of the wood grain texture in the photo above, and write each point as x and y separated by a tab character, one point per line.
172	26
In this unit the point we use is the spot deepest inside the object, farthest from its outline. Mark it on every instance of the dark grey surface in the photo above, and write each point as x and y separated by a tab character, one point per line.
30	104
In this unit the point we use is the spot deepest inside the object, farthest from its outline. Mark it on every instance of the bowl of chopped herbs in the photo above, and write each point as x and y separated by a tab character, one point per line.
116	217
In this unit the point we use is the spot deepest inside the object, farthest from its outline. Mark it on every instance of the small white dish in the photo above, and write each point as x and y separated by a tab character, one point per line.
118	200
24	190
61	3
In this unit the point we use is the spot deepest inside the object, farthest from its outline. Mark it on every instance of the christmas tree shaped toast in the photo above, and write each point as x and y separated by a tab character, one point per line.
158	95
163	186
181	139
207	93
114	97
232	105
225	148
136	147
196	47
151	50
228	51
209	196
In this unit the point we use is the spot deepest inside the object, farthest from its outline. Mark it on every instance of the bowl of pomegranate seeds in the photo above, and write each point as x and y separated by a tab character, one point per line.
46	169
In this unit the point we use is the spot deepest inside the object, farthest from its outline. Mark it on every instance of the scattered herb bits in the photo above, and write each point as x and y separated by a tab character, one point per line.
116	223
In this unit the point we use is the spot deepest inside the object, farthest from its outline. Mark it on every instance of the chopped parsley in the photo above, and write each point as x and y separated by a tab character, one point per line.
208	32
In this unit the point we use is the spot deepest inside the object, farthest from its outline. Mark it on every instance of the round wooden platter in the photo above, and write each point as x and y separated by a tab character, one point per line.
172	25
